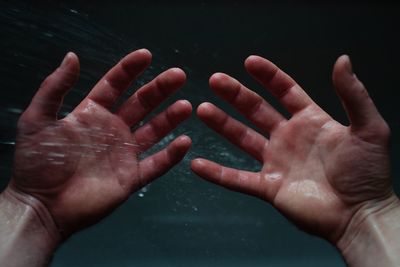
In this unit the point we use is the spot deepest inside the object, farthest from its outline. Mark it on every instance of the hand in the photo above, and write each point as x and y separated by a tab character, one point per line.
316	171
83	166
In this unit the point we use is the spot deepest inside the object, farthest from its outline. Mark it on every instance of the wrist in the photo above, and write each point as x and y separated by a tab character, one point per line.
373	234
27	231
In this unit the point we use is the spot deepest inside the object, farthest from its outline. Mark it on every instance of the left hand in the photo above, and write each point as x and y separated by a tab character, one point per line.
316	171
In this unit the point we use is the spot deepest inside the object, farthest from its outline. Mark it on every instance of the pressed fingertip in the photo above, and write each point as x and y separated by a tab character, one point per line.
184	106
68	58
348	64
342	71
184	138
205	110
179	73
144	51
216	77
184	142
173	78
197	164
258	66
251	60
222	83
344	62
138	59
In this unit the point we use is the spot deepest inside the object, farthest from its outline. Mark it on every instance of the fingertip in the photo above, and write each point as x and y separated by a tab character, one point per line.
205	110
224	85
68	71
70	60
179	147
342	70
215	78
184	106
174	77
72	56
183	143
145	52
185	139
136	61
179	111
259	67
179	73
252	61
344	58
345	62
197	164
348	64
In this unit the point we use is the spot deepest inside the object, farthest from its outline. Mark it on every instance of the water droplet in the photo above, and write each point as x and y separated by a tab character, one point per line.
144	190
14	110
48	34
141	194
50	144
12	143
56	155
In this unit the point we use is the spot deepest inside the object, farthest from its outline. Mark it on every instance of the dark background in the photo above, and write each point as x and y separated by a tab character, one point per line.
181	220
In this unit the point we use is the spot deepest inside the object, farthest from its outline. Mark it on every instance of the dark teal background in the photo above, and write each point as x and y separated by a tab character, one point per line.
181	220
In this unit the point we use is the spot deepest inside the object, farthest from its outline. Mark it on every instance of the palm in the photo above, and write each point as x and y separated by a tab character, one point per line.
81	158
85	165
298	153
316	171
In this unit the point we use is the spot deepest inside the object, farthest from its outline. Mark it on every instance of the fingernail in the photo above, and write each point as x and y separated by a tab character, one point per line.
65	61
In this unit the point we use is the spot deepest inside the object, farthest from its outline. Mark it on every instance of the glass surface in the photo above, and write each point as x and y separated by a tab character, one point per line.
181	220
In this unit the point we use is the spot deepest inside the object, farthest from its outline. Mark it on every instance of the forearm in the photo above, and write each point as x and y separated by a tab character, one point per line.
373	236
28	236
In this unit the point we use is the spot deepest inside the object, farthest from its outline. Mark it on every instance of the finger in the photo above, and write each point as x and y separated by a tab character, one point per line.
237	180
153	131
250	104
159	163
281	85
118	79
236	132
47	101
360	109
151	95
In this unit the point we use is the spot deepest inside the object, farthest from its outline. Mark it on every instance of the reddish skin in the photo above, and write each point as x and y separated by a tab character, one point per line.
317	172
83	166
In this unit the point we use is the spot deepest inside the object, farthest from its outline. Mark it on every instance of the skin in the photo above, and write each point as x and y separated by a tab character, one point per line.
318	173
81	167
329	179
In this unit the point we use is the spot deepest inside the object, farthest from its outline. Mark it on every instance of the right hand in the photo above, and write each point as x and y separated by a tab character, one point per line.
83	166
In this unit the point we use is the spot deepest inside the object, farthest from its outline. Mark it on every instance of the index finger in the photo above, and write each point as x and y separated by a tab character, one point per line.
281	85
118	79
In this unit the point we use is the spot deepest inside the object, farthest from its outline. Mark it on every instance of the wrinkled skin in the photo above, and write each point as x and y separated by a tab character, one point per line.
317	172
83	166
